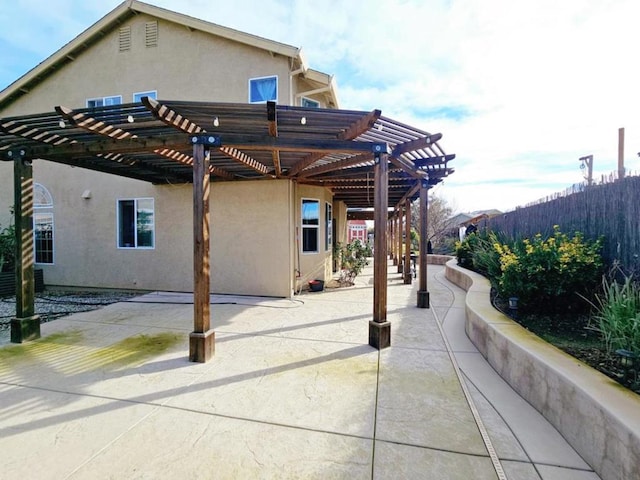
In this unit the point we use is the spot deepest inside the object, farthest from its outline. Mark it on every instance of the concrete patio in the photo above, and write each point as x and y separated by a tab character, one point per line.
294	391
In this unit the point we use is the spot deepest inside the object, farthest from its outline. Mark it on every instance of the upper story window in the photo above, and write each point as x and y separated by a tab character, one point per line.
263	89
137	97
136	223
104	101
307	102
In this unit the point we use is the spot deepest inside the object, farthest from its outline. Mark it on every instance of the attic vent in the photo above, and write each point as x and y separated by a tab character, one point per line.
151	34
124	39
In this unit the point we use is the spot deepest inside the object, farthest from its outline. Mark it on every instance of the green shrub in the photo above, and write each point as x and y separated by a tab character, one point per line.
550	274
477	252
353	258
617	315
7	248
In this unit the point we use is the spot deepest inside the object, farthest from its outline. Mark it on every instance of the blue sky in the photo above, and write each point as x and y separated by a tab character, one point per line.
520	89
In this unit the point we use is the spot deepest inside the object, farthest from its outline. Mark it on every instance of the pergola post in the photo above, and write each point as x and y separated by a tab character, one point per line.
390	237
399	238
423	294
202	339
407	242
394	233
379	327
26	324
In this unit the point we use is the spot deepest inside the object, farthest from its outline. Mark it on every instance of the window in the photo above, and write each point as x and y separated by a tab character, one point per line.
136	223
42	224
310	225
328	228
263	89
137	97
104	101
307	102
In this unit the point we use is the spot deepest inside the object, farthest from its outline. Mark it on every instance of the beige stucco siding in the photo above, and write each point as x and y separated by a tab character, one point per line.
313	265
186	65
253	224
251	237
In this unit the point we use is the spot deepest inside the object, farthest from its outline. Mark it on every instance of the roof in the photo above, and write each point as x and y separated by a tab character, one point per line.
130	8
151	141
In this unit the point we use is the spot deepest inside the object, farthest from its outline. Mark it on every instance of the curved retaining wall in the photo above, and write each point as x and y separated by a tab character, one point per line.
600	419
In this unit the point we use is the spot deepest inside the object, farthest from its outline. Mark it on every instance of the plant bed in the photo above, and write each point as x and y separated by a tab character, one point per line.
570	333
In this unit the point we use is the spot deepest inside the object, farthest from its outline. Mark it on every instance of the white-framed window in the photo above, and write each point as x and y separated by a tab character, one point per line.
307	102
263	89
328	229
136	223
310	225
104	101
137	97
42	224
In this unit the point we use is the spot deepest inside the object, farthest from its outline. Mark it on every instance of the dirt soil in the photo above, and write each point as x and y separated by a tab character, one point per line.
570	333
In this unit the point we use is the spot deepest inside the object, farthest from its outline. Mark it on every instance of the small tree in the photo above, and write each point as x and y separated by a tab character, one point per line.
439	221
353	258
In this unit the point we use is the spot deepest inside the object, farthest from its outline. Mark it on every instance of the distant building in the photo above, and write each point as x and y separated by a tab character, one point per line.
357	230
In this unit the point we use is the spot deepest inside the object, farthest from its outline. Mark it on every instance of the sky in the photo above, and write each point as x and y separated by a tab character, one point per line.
520	89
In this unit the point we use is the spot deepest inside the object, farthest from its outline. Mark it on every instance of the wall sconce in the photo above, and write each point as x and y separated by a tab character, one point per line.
86	194
303	121
130	118
216	122
61	124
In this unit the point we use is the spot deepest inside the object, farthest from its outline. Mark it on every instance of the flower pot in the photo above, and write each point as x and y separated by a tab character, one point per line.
316	285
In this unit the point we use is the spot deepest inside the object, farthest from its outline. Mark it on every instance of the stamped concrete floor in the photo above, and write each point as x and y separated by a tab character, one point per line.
294	391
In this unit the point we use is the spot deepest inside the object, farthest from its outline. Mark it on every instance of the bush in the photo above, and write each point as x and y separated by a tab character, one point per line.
550	274
477	252
617	316
7	248
353	258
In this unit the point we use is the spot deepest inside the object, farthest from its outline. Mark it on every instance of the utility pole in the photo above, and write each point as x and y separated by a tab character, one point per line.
620	153
587	162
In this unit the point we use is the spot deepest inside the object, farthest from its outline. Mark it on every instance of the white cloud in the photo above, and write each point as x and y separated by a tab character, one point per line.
520	90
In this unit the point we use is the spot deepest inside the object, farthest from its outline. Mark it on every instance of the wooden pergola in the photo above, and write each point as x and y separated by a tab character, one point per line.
365	159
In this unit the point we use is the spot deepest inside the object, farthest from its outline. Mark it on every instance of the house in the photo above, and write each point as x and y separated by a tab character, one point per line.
108	231
159	152
356	230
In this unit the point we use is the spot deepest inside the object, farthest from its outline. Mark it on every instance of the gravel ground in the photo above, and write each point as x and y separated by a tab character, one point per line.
58	303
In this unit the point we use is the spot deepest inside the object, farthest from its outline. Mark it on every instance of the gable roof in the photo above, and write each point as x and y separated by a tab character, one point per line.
130	8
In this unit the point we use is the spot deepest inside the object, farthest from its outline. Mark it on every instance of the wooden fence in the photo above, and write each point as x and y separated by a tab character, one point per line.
610	209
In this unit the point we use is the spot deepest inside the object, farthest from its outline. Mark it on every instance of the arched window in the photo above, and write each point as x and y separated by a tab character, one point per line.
42	224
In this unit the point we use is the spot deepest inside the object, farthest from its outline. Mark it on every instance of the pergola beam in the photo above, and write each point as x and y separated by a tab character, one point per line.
418	144
91	124
355	130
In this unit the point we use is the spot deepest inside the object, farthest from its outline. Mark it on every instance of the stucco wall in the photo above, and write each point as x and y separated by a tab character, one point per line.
253	223
313	265
252	237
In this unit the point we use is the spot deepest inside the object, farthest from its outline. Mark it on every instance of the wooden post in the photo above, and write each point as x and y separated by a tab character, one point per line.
407	242
399	239
390	237
26	324
394	236
202	339
620	153
423	294
379	327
